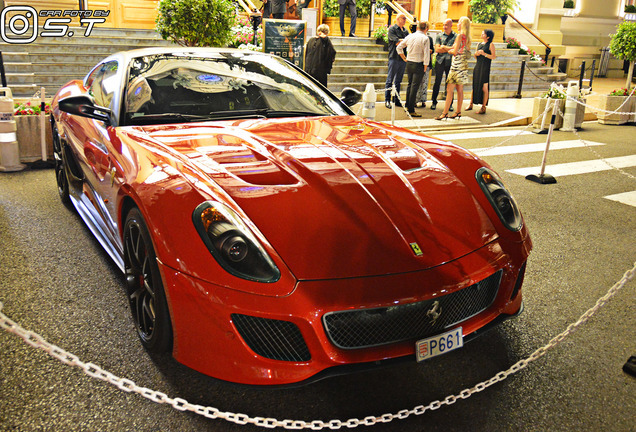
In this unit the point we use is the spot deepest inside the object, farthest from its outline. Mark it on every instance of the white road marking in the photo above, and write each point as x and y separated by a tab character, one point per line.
477	135
584	167
529	148
628	198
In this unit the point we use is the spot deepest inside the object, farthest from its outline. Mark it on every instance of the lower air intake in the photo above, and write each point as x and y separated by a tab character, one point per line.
273	339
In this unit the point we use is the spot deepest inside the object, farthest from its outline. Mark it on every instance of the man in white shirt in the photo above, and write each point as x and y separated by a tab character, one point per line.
417	59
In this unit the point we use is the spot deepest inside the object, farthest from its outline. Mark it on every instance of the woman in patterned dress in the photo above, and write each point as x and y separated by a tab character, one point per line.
458	75
484	54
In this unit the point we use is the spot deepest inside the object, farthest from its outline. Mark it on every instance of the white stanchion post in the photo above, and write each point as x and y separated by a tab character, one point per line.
43	122
9	150
393	99
569	117
368	102
544	178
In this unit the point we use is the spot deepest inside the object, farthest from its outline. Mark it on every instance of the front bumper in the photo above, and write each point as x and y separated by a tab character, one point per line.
204	317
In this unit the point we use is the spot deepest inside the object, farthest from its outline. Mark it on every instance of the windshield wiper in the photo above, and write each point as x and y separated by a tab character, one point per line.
281	113
219	115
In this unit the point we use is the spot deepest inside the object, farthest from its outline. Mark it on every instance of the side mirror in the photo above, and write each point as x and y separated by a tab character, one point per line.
350	96
84	106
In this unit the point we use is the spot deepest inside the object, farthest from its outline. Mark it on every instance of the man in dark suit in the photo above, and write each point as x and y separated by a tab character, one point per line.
396	33
351	4
443	43
279	7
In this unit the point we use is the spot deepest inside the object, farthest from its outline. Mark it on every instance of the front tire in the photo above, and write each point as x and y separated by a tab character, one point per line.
60	171
145	288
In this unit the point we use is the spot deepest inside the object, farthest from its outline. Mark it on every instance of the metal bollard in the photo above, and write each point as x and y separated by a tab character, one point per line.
368	102
569	117
9	150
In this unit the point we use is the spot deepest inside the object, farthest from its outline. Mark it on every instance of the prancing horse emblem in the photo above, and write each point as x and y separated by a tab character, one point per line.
434	312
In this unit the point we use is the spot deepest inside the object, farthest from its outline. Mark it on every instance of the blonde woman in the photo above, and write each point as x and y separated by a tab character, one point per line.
458	75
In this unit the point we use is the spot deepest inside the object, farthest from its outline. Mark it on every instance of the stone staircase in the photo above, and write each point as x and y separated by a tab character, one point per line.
52	62
360	61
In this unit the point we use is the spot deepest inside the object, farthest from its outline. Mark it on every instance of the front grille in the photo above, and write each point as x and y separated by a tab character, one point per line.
273	339
380	326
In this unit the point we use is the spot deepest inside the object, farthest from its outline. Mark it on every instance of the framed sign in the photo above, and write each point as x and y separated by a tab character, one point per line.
285	38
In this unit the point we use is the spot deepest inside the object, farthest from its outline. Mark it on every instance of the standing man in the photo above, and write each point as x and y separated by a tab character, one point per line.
422	93
418	55
443	43
279	7
396	33
351	4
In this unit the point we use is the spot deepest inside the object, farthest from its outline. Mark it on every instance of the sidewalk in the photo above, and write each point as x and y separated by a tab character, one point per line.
500	112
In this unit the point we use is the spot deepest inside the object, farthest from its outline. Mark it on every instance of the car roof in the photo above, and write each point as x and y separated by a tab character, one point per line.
126	56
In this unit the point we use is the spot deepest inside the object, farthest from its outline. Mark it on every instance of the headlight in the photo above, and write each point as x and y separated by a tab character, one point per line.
501	200
232	243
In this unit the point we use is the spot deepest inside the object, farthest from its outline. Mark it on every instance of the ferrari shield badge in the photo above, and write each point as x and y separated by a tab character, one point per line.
416	249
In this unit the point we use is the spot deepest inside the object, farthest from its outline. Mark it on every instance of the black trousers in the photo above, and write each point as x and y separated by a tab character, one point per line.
415	73
351	5
440	70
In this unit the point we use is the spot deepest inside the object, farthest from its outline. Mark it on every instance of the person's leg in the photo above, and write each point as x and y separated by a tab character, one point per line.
439	70
460	100
450	89
342	16
400	66
447	71
354	16
485	101
423	90
389	80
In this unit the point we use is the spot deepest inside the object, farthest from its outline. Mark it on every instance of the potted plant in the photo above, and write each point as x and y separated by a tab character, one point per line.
489	11
623	46
618	101
541	117
28	131
381	35
568	4
196	22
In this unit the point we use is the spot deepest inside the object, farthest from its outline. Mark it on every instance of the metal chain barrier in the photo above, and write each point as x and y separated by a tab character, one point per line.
597	154
179	404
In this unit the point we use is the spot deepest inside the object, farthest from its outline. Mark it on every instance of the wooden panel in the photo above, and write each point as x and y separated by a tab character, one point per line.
457	9
139	14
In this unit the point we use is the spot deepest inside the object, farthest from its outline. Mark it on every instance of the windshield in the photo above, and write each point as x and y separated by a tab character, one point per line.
185	87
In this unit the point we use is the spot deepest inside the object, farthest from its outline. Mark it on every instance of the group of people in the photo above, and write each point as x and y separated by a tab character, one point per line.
413	53
452	55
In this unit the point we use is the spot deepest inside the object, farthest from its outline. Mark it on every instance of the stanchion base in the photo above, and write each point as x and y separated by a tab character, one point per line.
12	168
540	131
542	179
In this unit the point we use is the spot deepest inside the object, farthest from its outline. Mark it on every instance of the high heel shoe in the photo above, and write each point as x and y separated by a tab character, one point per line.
470	107
457	115
442	116
482	110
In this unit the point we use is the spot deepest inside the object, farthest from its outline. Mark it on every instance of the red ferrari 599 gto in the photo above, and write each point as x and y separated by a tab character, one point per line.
270	236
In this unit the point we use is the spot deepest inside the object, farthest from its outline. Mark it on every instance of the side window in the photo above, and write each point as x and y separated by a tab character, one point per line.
103	83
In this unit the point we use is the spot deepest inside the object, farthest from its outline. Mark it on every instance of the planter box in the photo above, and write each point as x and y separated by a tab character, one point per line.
362	25
543	121
28	135
611	103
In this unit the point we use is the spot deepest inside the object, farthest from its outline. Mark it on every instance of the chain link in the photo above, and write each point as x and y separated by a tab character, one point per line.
179	404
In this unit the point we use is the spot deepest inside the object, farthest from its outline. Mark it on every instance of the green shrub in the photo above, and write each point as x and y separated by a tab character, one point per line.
196	22
487	11
568	4
630	9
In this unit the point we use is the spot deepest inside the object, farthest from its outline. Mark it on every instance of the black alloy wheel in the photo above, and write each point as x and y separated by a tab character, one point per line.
145	287
60	172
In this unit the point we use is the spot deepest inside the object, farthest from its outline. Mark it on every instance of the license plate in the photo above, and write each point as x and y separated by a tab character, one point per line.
440	344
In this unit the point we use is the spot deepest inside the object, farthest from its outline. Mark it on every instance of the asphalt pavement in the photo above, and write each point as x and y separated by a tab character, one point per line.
57	281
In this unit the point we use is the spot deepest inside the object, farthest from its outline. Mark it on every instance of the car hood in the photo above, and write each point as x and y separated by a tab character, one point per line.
336	197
